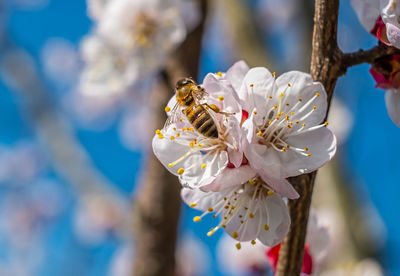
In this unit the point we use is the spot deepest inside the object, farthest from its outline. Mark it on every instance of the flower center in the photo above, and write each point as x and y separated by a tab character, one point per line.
145	26
242	204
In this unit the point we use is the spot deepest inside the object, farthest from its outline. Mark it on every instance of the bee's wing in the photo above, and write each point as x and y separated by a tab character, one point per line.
174	115
200	95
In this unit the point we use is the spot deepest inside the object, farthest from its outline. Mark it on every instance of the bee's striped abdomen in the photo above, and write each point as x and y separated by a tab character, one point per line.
201	120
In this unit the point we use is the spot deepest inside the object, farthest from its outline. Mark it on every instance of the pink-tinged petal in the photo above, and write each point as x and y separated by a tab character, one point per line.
198	199
380	79
320	144
276	216
236	74
279	185
302	91
257	85
393	34
230	178
392	99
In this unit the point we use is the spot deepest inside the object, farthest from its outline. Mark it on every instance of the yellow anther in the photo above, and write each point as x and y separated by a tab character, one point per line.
172	137
269	122
200	146
160	136
246	208
254	112
210	209
251	85
273	74
238	246
287	104
211	232
220	98
180	171
275	106
270	193
314	107
281	95
303	124
203	166
251	181
287	117
277	117
251	215
297	122
192	205
309	154
167	109
292	113
235	235
280	114
288	84
306	149
218	74
289	125
180	119
191	144
196	219
317	94
270	97
253	242
174	128
178	134
283	149
214	216
190	129
266	227
259	133
326	123
300	99
158	131
170	165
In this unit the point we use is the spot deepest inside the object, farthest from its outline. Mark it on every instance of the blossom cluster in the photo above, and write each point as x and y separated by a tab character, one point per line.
269	128
381	18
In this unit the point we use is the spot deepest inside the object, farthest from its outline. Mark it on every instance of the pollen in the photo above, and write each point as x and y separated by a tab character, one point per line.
180	171
259	133
235	235
238	246
270	193
220	98
167	109
251	181
266	227
253	242
192	205
203	166
196	219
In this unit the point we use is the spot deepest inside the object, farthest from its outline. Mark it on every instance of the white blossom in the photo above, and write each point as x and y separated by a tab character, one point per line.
392	99
284	130
197	159
248	212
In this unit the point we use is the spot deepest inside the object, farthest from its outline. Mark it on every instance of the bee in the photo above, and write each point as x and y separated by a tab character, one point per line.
190	96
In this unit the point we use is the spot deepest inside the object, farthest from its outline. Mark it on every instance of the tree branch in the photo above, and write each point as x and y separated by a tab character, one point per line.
366	56
158	203
325	68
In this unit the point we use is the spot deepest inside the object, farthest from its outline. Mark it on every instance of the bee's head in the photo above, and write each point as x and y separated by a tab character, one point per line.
182	88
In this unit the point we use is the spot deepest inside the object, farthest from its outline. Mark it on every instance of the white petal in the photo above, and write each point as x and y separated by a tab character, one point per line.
393	34
230	178
278	220
321	144
392	99
203	200
236	74
257	85
302	87
367	12
279	185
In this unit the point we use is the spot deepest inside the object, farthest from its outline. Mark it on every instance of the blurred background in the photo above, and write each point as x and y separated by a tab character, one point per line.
77	119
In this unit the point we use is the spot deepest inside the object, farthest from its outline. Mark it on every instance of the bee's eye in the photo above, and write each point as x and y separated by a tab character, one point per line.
183	82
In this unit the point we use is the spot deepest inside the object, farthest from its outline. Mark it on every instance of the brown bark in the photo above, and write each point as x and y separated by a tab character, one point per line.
158	202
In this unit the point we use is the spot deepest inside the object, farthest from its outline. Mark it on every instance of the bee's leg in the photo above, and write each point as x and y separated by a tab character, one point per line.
215	108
